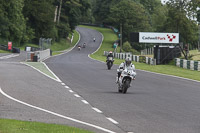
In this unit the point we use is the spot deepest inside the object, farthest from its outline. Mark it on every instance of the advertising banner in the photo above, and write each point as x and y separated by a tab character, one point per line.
9	45
153	37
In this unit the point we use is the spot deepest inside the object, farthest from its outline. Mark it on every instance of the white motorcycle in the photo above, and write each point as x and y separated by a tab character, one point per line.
124	82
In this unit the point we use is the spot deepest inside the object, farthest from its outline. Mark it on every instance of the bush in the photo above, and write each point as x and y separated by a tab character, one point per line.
127	47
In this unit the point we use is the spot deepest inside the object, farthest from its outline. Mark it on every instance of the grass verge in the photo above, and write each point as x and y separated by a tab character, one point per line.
3	51
40	66
63	45
109	38
15	126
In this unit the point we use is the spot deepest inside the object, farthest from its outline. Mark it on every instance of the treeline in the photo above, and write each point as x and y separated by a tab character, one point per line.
24	21
27	20
150	16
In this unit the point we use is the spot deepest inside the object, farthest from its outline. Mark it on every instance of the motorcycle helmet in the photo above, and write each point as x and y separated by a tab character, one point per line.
128	61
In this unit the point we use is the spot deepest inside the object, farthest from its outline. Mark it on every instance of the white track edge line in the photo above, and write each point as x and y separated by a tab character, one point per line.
56	114
84	101
51	72
170	75
67	50
113	121
97	110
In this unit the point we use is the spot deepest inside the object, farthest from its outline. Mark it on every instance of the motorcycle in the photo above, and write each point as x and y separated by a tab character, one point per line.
84	45
124	82
109	63
94	39
79	48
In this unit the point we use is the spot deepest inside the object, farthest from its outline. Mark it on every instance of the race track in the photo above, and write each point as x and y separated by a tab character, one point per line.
154	104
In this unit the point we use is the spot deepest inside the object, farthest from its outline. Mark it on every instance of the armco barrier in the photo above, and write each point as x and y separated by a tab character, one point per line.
188	64
135	58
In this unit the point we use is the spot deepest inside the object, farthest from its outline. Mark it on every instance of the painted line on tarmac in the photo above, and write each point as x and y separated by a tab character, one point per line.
8	56
56	114
67	87
71	91
169	75
113	121
63	84
97	49
76	95
68	50
84	101
97	110
51	72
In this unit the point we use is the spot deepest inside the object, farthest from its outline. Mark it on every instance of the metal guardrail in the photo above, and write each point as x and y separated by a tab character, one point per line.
3	47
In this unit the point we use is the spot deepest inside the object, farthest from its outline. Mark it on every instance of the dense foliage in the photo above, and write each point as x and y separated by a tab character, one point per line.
27	20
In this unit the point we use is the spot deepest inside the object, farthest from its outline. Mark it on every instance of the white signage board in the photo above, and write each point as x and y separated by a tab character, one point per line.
153	37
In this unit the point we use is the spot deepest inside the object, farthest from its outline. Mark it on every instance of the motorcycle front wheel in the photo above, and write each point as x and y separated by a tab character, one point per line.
109	65
125	86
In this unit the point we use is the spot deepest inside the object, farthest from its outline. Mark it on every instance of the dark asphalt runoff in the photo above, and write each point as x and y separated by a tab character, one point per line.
154	104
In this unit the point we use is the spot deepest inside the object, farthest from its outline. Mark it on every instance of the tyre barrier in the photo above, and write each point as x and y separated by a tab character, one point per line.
135	58
187	64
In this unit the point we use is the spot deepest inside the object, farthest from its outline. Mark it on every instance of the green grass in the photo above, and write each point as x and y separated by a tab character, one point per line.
15	126
28	44
3	51
170	69
109	39
41	67
64	44
195	55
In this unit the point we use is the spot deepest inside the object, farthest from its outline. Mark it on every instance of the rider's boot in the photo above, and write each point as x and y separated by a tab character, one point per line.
117	80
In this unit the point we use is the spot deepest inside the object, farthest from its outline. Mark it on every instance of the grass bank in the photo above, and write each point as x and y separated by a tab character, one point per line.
15	126
171	69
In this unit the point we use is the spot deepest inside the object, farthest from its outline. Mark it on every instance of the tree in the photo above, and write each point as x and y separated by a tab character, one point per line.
101	10
132	17
40	17
12	20
179	20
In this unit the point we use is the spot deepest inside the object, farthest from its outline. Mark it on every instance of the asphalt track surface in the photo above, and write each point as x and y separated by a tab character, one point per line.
154	104
26	94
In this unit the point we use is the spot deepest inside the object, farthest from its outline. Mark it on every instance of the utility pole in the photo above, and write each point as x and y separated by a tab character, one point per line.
199	38
59	11
120	38
56	12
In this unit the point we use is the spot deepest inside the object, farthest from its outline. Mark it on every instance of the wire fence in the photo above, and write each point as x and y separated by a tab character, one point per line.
45	43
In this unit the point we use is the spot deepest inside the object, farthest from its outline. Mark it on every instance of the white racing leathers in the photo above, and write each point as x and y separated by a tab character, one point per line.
128	74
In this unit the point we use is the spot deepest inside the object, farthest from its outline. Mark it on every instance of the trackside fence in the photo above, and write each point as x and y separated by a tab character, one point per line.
187	64
135	58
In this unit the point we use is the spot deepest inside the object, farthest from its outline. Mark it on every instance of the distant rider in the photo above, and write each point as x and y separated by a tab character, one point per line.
94	39
84	45
127	64
110	54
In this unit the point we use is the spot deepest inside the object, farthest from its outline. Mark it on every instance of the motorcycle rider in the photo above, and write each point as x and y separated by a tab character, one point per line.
110	54
84	45
123	65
